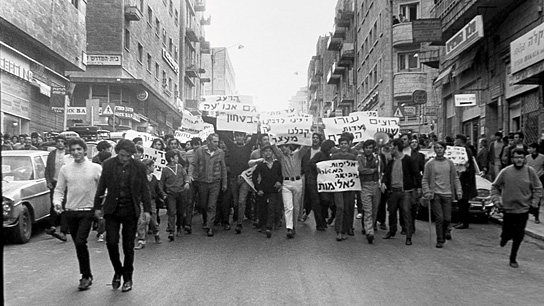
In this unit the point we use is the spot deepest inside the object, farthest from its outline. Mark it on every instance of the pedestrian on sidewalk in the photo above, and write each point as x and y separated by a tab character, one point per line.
517	190
78	182
440	184
125	179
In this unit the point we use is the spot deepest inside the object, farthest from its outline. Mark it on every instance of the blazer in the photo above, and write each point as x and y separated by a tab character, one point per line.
50	167
411	177
139	187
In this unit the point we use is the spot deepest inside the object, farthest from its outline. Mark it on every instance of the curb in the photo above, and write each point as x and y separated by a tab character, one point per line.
498	220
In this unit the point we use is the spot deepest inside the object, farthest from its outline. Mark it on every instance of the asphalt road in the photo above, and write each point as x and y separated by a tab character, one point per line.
312	269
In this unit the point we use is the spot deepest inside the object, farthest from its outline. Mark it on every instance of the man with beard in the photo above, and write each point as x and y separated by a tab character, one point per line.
516	190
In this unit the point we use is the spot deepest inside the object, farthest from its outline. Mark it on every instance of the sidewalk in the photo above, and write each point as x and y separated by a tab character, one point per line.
533	230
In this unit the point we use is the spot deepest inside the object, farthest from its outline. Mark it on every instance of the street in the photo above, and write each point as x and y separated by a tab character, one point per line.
312	269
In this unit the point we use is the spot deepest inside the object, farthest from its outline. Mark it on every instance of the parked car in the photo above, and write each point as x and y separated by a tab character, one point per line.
25	196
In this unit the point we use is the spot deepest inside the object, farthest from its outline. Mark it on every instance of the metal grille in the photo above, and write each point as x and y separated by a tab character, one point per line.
530	113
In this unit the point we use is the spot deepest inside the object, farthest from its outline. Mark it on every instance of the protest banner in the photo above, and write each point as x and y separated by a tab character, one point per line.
184	135
244	99
247	176
365	113
190	122
458	155
226	107
295	130
237	122
290	112
362	127
338	176
159	157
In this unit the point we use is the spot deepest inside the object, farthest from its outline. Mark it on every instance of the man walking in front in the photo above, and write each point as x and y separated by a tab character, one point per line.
517	190
125	179
78	181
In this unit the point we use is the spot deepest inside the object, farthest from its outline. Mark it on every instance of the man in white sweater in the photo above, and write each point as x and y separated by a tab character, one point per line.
80	178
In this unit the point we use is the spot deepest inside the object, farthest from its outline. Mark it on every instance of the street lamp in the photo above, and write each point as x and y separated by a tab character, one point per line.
214	53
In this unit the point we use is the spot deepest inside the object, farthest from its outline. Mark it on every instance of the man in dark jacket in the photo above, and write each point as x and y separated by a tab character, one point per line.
468	183
126	182
55	160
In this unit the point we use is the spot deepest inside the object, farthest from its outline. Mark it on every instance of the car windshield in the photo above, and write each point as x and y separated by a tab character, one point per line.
17	168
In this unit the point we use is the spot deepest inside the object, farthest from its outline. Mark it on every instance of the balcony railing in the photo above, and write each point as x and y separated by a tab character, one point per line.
133	12
345	11
337	69
191	71
347	54
333	78
407	82
338	31
334	44
402	34
200	5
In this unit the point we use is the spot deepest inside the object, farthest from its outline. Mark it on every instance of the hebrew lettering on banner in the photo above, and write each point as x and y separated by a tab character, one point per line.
295	130
338	176
458	156
159	157
290	112
186	135
226	107
237	122
362	127
247	176
190	122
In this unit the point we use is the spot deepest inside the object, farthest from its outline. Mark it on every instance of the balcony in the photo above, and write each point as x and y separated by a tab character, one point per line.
313	84
430	58
334	43
190	81
191	34
191	71
205	80
402	35
205	47
345	11
339	32
200	5
206	21
348	97
333	78
132	12
337	69
456	13
406	83
347	54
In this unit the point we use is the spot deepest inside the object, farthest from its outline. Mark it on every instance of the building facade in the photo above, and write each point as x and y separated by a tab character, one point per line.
220	72
39	41
489	57
300	101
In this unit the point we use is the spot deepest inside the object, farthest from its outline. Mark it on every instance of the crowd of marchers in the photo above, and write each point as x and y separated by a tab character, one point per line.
118	194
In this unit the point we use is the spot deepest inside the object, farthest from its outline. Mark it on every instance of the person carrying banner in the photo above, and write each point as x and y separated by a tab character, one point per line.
320	201
401	178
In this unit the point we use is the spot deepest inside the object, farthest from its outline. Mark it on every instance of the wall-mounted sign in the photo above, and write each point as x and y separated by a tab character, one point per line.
170	61
142	95
528	49
467	36
15	65
465	100
419	96
103	60
427	30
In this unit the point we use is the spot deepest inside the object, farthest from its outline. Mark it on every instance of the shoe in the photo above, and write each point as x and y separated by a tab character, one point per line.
338	236
448	235
50	230
178	231
439	245
403	232
116	281
59	236
389	235
210	232
140	245
375	228
238	229
351	232
408	241
370	238
188	229
383	226
461	226
503	242
514	264
100	238
290	234
359	216
304	217
344	237
363	231
157	239
330	221
150	232
85	283
171	237
537	221
268	233
320	228
127	286
226	227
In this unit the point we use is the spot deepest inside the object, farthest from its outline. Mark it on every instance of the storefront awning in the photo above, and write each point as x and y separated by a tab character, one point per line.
445	73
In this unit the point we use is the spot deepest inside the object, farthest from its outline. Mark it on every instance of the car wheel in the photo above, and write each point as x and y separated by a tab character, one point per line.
23	230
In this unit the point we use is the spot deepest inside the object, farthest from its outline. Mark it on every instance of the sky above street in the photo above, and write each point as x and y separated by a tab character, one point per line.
279	39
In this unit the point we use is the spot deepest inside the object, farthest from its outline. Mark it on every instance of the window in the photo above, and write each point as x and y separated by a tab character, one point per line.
375	74
176	93
170	45
176	53
409	11
140	53
408	61
39	167
157	27
375	31
171	7
176	17
157	69
149	16
170	84
140	5
164	38
164	79
164	2
75	3
127	39
149	62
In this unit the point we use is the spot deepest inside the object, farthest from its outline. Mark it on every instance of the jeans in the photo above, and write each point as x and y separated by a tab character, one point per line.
144	223
291	193
268	204
400	200
370	201
80	223
344	210
513	227
240	190
174	208
128	219
208	193
441	206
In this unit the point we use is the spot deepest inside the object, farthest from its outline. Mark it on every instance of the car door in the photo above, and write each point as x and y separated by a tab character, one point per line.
40	200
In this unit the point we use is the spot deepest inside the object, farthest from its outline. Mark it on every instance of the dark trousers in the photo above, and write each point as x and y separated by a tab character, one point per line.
125	217
320	204
413	212
208	193
80	223
441	206
307	200
464	214
175	208
56	219
344	210
513	227
400	200
267	207
381	217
